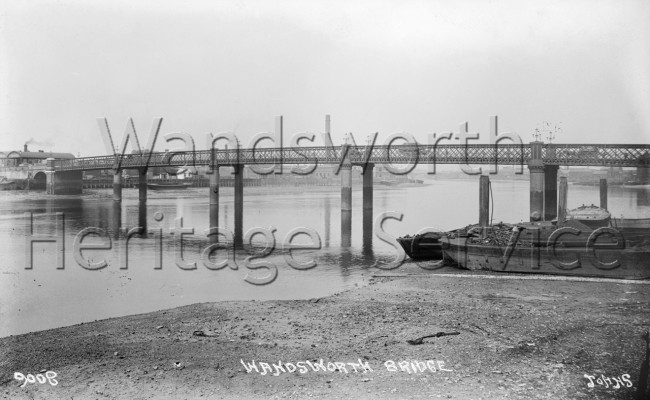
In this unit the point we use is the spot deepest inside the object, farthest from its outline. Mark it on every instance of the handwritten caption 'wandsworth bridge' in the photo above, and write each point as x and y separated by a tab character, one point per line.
303	367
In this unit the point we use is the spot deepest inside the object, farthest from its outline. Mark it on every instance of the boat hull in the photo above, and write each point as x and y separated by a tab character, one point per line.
608	263
422	247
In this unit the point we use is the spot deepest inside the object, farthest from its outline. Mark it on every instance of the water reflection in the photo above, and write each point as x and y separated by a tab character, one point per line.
142	217
367	235
328	222
643	198
117	219
346	228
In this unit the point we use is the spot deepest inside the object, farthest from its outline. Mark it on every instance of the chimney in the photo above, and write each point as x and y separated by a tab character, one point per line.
26	148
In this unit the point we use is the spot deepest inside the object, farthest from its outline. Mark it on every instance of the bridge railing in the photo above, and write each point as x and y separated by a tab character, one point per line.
622	155
395	154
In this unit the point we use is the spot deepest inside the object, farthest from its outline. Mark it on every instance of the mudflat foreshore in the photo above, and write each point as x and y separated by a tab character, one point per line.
494	336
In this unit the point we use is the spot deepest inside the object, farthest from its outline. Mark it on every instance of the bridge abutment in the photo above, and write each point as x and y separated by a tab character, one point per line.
62	182
65	182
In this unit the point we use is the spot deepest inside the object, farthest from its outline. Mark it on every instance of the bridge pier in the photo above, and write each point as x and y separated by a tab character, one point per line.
561	209
142	185
117	185
536	192
550	192
484	203
367	209
536	168
367	187
214	202
239	204
346	199
603	193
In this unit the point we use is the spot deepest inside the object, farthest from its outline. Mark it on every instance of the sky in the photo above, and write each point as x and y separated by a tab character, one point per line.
375	66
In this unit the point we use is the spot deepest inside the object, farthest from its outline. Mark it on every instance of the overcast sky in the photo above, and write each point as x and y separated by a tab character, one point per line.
375	66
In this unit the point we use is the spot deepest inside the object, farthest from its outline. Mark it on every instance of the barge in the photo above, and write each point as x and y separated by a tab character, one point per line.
610	259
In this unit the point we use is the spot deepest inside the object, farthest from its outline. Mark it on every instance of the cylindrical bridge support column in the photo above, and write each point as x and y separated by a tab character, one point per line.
142	185
603	193
550	192
214	203
536	167
367	187
117	185
239	205
367	209
561	209
346	200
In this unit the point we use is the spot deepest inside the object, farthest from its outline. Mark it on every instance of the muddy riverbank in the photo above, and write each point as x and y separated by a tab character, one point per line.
517	338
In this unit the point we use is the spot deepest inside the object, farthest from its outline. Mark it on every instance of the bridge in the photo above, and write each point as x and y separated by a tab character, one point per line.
610	155
542	160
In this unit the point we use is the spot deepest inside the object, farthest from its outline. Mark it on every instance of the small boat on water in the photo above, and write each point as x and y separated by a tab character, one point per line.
592	216
168	186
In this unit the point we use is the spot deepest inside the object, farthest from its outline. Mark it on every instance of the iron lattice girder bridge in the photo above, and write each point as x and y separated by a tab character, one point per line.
615	155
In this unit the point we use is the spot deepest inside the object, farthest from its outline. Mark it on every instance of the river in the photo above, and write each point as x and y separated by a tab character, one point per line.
45	296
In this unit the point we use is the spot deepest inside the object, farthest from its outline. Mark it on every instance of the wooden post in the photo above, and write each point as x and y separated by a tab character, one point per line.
603	193
484	201
561	207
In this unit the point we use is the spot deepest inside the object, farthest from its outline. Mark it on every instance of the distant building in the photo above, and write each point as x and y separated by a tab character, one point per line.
26	168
